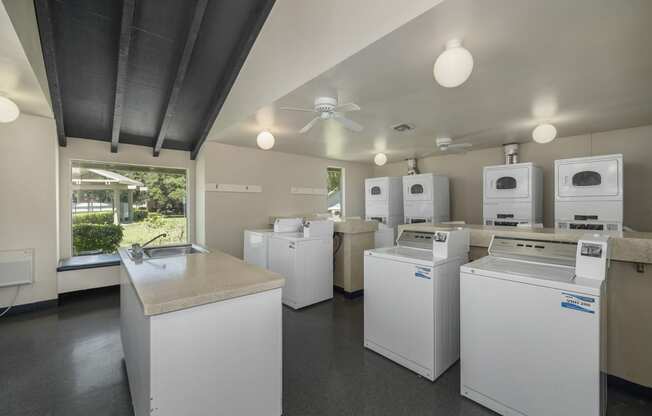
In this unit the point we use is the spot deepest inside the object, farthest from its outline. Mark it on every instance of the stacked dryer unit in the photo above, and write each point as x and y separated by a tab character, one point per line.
512	195
589	193
426	198
384	203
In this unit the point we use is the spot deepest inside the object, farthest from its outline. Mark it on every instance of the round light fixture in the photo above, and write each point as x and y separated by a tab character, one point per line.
544	133
265	140
9	111
380	159
454	66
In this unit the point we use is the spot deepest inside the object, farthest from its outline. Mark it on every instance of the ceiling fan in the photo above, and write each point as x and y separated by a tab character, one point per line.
446	144
327	108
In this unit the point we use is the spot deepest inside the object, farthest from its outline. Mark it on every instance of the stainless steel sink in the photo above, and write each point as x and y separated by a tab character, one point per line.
170	251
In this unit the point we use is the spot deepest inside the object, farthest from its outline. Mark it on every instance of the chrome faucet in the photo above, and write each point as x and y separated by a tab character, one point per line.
137	249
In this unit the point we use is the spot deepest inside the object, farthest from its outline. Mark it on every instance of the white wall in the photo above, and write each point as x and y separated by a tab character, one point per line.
226	215
465	171
28	202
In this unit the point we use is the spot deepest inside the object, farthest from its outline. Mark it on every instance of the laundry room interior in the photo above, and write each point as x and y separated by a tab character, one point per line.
281	207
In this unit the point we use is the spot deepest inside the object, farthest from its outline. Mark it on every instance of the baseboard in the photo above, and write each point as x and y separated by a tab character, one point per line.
349	295
96	291
31	307
633	388
63	297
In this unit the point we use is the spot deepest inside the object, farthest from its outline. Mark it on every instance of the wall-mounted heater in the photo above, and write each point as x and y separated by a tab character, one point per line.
16	267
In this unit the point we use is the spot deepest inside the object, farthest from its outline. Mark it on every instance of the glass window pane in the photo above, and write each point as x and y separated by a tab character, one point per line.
115	205
335	191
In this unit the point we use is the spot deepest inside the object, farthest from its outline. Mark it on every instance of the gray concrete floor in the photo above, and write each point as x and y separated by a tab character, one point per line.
68	361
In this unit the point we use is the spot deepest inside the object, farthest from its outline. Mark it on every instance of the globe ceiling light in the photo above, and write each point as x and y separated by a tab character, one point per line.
544	133
380	159
454	66
265	140
9	111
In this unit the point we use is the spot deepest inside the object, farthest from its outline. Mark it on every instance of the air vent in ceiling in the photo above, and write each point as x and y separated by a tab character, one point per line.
403	127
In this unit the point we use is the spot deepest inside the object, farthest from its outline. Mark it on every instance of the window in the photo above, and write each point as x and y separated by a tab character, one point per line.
506	182
587	178
115	205
335	191
416	189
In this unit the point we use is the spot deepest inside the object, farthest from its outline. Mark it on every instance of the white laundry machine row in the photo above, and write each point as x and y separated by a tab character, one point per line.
426	198
533	327
411	305
256	242
512	195
384	203
306	261
589	193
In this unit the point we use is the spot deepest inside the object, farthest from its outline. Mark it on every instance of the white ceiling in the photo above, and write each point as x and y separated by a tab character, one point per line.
583	65
302	39
17	79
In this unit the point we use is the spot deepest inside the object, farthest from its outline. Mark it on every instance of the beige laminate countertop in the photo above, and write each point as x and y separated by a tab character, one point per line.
355	226
627	246
173	283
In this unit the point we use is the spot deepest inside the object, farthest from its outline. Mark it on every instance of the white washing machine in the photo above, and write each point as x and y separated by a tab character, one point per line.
589	193
306	261
256	242
533	327
512	195
426	198
384	203
411	300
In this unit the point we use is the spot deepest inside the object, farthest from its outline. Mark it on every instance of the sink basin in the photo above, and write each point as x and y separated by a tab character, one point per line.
171	251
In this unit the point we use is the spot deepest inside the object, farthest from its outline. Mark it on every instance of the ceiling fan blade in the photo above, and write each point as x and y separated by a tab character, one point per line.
349	124
460	145
309	125
305	110
343	108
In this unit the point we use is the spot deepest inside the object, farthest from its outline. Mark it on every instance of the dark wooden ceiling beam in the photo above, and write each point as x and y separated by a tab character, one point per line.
193	32
241	51
46	33
126	24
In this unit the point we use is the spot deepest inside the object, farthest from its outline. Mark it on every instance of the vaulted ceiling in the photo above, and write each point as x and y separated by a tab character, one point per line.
146	72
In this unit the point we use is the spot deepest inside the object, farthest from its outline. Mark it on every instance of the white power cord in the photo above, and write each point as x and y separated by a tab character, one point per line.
13	302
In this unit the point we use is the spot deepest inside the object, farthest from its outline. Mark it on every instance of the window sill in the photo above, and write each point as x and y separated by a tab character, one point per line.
88	262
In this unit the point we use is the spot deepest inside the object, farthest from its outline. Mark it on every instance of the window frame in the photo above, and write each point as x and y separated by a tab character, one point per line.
342	188
71	189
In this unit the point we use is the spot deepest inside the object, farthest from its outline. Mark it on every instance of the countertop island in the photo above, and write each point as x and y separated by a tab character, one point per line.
201	335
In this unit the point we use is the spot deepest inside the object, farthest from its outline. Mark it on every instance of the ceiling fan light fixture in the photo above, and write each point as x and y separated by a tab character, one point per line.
380	159
544	133
265	140
9	111
454	66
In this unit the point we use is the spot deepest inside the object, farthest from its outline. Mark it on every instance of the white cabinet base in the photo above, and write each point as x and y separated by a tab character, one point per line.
223	358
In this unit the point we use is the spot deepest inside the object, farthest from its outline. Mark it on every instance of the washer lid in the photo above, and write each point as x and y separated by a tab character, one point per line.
404	254
539	274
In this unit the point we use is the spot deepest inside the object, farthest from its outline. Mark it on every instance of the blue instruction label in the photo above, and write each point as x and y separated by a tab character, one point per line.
578	303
